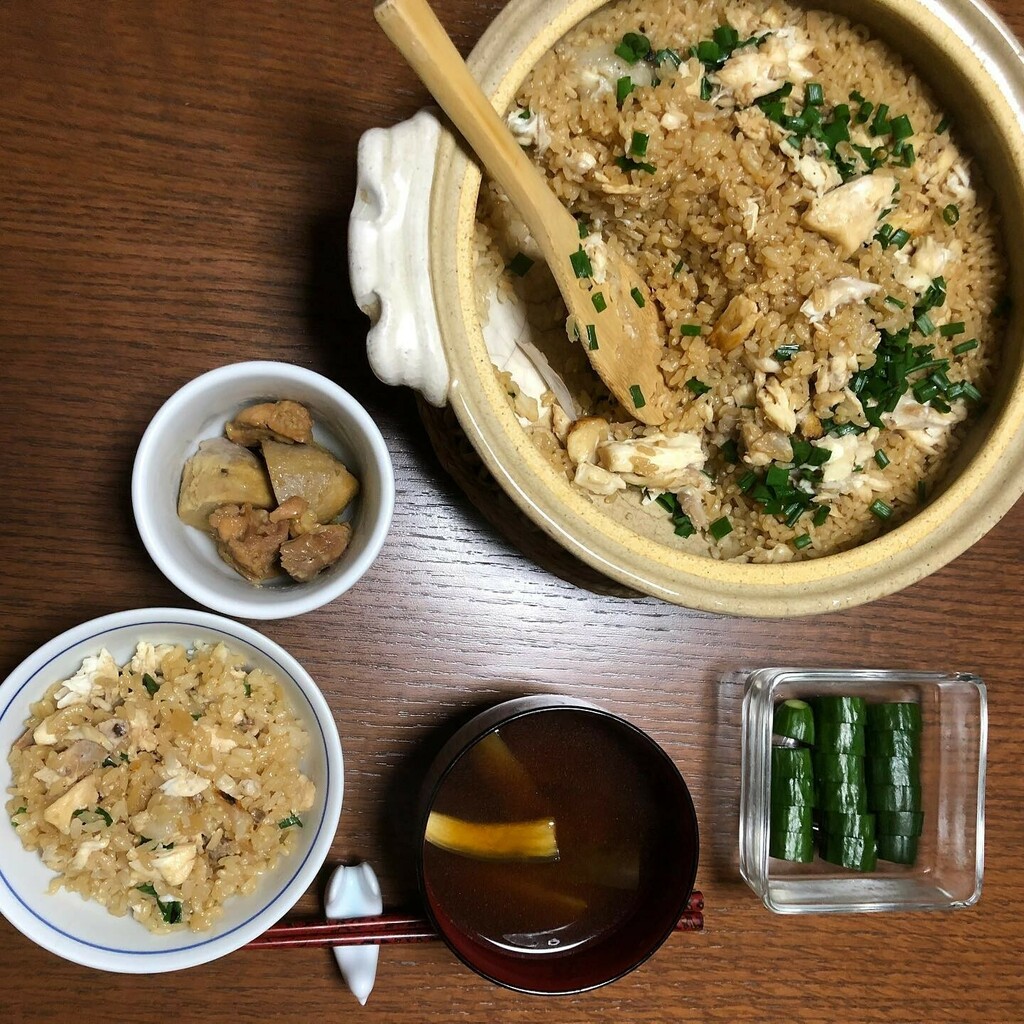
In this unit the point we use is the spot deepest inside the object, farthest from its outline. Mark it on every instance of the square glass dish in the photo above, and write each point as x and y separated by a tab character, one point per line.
947	871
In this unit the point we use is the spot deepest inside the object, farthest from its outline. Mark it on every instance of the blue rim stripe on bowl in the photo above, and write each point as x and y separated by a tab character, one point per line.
220	935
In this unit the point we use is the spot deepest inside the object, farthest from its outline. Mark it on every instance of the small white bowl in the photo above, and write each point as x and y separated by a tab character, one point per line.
199	410
83	931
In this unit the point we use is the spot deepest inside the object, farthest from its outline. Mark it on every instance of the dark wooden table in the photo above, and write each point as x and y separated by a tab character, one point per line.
175	179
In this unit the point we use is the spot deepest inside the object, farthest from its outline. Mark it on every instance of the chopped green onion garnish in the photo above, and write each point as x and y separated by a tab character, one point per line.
923	322
524	114
726	37
634	47
786	352
706	90
520	264
708	51
880	509
248	689
637	395
971	392
901	127
668	501
951	213
150	684
637	297
952	330
802	541
881	458
880	125
776	476
730	452
581	263
108	762
893	301
105	816
821	514
591	337
668	54
814	94
899	238
965	346
627	164
697	387
680	265
584	227
288	822
747	481
942	127
909	156
623	87
638	147
147	887
598	300
684	526
689	330
720	528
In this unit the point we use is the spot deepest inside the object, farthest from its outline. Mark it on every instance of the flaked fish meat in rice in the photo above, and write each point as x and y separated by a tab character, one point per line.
163	787
824	258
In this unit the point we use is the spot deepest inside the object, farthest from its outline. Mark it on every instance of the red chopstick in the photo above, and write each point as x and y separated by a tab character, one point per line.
384	929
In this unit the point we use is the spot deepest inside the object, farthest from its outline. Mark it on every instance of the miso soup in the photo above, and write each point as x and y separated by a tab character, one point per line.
623	825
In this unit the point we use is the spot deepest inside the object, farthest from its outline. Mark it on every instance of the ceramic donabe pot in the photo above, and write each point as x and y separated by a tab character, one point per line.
412	272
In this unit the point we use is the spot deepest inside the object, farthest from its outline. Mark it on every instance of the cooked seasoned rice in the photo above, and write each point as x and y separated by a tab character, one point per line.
710	187
164	787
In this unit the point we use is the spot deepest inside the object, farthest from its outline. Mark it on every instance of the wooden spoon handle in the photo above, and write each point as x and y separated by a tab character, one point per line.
414	29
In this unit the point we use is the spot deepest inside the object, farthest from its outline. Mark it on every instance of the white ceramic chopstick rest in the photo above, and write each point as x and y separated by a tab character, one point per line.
355	892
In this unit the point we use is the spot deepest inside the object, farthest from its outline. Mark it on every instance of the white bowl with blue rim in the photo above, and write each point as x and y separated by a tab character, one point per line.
83	931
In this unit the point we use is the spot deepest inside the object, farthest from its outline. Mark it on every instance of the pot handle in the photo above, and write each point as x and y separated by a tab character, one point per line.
389	258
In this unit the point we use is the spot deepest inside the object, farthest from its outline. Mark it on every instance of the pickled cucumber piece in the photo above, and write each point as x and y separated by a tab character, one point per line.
896	798
789	792
841	737
839	709
798	846
850	799
839	823
898	849
853	852
900	823
310	472
794	720
894	771
894	744
901	716
791	818
790	763
838	767
221	473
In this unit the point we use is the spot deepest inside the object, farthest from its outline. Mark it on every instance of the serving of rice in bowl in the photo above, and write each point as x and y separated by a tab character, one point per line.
173	782
819	211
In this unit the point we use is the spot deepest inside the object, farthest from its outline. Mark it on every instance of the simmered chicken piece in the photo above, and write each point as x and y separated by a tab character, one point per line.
276	421
311	553
248	541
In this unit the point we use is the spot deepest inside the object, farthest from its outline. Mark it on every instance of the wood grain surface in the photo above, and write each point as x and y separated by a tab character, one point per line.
175	179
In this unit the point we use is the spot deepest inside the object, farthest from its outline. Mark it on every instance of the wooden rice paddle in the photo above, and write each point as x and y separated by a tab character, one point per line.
624	342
